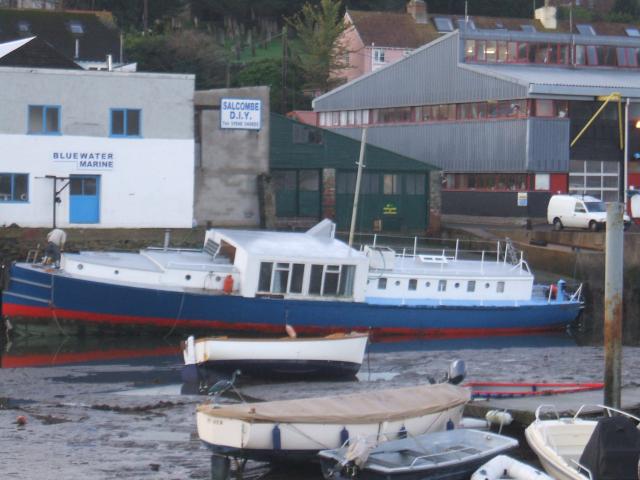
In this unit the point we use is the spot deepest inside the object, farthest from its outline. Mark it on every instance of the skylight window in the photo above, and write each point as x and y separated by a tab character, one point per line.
24	26
632	32
584	29
76	28
443	24
465	24
528	28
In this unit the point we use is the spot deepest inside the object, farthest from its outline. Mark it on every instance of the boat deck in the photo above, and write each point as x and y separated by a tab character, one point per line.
152	260
451	268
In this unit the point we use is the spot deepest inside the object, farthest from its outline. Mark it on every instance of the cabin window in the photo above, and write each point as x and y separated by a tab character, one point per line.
500	287
442	285
471	286
264	281
413	284
315	285
347	275
382	284
331	278
297	275
280	278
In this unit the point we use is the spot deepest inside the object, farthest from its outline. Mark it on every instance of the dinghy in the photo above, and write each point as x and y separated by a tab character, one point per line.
503	467
298	429
448	455
337	355
575	448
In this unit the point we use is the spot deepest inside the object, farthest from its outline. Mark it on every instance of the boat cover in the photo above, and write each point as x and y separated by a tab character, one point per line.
613	449
372	406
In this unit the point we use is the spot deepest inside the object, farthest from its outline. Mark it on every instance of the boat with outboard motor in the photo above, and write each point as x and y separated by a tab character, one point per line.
576	448
250	280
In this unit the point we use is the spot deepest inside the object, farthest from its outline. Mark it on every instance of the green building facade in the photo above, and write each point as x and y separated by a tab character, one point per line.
314	175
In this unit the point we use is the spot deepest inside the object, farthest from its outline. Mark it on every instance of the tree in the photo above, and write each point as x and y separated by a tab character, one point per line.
318	29
626	8
182	52
269	72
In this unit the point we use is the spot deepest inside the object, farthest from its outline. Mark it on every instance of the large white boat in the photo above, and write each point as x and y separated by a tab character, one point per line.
259	281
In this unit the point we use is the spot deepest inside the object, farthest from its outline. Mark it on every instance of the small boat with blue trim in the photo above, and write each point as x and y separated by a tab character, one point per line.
258	281
446	455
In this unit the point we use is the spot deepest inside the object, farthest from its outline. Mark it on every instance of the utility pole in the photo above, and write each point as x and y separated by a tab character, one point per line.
56	192
145	16
356	194
613	288
285	55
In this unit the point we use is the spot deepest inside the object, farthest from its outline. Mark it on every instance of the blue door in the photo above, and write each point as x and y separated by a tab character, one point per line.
84	195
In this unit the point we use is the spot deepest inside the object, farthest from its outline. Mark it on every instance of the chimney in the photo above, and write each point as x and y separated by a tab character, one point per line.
418	10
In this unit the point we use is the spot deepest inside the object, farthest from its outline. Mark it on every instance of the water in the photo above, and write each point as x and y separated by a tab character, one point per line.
115	407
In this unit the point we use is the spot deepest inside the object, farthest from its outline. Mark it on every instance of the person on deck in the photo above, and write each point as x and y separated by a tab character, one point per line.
55	244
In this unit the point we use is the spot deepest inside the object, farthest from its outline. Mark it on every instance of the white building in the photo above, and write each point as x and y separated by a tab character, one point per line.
120	144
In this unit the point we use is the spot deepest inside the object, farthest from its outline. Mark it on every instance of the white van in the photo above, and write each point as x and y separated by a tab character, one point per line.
578	211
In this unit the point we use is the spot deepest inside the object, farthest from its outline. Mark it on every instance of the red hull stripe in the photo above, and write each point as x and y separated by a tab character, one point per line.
36	360
15	310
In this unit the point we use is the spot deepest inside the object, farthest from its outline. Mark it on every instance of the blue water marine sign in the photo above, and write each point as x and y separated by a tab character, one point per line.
240	113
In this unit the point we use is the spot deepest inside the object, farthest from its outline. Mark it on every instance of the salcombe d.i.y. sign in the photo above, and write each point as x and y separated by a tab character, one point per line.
240	113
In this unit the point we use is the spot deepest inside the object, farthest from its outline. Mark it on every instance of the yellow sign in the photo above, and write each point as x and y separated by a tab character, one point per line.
390	209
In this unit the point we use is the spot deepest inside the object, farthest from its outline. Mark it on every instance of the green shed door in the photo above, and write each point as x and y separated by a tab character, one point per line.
284	183
309	193
398	200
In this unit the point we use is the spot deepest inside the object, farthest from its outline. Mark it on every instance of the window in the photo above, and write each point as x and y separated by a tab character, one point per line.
44	120
264	280
632	32
443	24
24	27
544	108
76	27
125	122
584	29
304	134
465	24
378	55
391	185
413	284
415	184
500	287
595	178
382	283
442	285
14	187
528	28
471	286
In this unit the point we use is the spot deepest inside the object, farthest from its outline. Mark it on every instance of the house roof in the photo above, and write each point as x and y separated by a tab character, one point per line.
33	52
391	29
97	33
588	82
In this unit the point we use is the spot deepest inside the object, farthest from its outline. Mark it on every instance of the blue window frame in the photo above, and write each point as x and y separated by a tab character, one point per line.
125	122
44	120
14	187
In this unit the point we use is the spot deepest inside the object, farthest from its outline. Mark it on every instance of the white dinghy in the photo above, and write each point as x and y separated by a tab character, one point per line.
574	448
337	355
504	467
298	429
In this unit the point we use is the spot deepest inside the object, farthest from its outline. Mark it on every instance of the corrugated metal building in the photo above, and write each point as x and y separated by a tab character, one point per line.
497	110
314	175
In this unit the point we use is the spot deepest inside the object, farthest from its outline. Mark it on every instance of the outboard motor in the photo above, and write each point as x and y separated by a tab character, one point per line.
457	372
613	450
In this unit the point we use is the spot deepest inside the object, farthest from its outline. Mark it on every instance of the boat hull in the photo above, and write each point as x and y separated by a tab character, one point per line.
36	293
302	441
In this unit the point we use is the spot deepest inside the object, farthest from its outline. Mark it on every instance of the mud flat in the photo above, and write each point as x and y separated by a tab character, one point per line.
130	420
